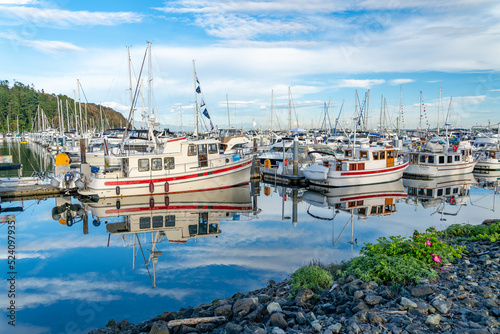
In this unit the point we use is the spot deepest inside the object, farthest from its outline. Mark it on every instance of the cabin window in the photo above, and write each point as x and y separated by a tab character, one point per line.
361	166
144	222
143	165
431	159
192	150
170	221
429	192
193	229
351	204
157	221
441	159
375	155
421	192
156	164
203	223
390	154
339	167
169	162
362	211
440	192
374	210
448	191
359	203
352	166
348	153
212	228
382	155
455	190
380	208
450	159
422	158
457	158
212	148
202	149
363	154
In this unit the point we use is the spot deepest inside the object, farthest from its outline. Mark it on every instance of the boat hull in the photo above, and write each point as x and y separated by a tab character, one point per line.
429	171
221	177
362	177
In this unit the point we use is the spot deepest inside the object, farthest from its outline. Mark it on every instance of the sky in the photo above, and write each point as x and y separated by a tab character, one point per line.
265	64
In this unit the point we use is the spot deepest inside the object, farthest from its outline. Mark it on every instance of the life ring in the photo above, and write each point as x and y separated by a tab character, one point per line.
267	163
452	201
455	148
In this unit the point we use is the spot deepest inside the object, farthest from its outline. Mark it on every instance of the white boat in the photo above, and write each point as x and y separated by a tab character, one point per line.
489	161
359	166
182	166
440	157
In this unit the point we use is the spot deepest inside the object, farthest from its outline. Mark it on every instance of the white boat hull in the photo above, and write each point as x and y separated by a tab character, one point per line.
425	170
229	175
356	178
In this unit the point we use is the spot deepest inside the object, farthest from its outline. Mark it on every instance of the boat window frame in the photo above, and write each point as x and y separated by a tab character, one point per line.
348	153
441	160
212	148
192	150
143	168
156	220
422	158
431	159
169	163
450	159
156	164
375	155
144	223
382	155
170	221
457	157
363	154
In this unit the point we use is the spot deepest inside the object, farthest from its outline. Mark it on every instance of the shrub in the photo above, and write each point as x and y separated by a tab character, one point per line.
311	277
474	232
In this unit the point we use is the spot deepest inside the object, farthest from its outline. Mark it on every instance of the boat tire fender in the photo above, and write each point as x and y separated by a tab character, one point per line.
117	190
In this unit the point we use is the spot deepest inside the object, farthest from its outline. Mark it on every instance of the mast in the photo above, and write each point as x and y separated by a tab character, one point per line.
289	110
439	109
400	104
420	118
228	118
79	105
67	114
195	101
130	86
272	98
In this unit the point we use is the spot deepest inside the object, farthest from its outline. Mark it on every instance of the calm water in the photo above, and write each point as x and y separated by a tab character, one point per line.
80	264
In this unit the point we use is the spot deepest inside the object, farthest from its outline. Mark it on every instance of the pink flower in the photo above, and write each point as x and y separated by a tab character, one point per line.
436	258
428	243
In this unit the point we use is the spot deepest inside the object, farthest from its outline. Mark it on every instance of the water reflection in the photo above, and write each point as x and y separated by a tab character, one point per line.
447	194
147	221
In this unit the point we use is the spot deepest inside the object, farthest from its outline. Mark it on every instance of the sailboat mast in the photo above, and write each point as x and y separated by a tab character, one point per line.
67	114
400	104
149	78
228	118
130	86
272	98
195	101
439	110
289	110
420	118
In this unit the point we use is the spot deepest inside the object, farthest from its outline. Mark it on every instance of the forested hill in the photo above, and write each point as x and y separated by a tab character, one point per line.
17	99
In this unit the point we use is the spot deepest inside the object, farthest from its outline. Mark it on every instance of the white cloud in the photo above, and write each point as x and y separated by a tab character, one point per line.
397	82
356	83
65	18
48	47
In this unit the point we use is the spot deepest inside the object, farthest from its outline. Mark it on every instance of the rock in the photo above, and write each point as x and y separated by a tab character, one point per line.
442	304
407	304
375	318
256	315
205	327
335	328
424	308
273	307
433	320
232	328
420	291
361	306
316	325
278	320
372	299
159	327
311	317
358	294
304	295
277	330
243	306
300	318
226	311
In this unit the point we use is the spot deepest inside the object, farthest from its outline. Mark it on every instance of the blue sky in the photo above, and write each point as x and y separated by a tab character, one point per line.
324	50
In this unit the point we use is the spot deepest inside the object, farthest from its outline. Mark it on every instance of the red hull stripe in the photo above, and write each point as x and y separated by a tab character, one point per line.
177	139
370	172
180	207
175	178
372	196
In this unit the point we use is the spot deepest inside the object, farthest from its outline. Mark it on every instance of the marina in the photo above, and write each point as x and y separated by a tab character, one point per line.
135	257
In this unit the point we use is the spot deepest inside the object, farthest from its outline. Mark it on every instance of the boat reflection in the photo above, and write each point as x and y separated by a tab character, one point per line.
145	222
361	201
453	190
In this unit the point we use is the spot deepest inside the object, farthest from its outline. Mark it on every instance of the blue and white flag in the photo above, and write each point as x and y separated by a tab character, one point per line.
202	103
198	90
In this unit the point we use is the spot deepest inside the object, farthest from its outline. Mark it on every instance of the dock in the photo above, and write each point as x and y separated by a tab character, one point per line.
28	191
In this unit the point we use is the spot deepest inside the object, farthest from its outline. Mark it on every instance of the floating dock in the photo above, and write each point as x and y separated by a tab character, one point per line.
27	191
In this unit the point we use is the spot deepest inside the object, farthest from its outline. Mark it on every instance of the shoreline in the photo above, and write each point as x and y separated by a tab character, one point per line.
462	299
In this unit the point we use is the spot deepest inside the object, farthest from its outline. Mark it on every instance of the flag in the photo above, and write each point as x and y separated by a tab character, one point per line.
198	90
205	113
197	80
202	103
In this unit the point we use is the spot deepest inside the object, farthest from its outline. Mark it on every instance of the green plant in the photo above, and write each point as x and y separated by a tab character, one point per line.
382	268
474	232
310	277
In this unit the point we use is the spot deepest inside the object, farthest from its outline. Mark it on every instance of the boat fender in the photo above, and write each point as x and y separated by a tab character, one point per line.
117	190
167	201
118	204
96	222
94	169
167	187
455	148
68	177
267	163
267	191
69	222
286	162
151	202
151	187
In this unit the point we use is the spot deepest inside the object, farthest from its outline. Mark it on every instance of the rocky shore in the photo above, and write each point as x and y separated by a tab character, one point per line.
464	299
